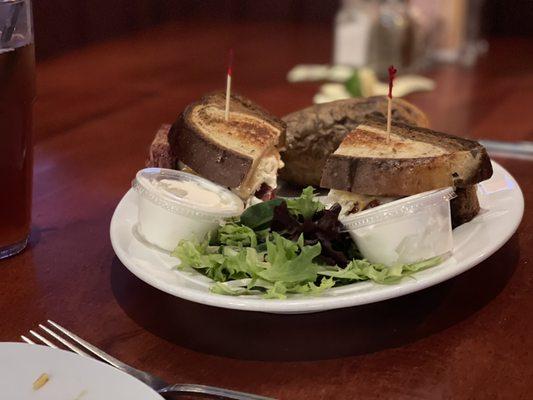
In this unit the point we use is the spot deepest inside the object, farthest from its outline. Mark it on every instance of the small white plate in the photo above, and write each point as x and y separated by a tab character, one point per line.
502	206
70	376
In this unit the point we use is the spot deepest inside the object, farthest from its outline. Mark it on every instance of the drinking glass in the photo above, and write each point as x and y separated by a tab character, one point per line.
17	95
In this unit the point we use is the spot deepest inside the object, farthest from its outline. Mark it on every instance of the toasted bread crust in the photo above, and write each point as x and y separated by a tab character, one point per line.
315	132
211	160
422	134
243	104
465	206
384	177
465	163
218	164
159	153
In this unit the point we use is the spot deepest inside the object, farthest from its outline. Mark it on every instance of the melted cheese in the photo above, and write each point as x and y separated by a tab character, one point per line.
349	200
265	171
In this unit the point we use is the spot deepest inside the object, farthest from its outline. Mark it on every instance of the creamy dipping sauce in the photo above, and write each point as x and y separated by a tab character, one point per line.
175	205
193	192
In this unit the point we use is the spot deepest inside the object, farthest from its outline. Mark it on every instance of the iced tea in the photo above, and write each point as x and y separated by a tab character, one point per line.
17	94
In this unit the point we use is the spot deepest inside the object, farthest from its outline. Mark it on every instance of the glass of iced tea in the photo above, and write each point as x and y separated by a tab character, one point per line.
17	95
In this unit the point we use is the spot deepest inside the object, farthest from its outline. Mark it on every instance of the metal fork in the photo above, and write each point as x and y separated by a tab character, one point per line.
160	386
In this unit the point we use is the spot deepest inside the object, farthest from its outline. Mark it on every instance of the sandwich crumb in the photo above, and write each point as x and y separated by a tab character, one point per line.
41	381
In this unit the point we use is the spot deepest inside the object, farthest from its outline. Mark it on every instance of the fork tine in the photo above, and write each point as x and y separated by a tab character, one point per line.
71	346
43	339
26	339
93	349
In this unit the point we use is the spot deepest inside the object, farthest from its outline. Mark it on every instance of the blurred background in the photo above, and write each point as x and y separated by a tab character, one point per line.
62	25
466	58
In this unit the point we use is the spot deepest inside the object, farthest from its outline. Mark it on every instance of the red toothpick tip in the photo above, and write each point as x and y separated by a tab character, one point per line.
392	75
230	62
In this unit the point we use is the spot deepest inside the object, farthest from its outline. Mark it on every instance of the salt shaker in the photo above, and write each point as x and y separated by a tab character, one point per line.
353	24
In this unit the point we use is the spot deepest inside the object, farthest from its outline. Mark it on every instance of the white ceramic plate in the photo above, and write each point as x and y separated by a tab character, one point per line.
502	206
71	376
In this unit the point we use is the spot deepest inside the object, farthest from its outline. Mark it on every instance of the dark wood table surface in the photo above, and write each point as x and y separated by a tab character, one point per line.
467	338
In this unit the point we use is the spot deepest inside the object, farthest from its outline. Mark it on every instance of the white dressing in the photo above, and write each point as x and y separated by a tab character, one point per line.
192	191
175	205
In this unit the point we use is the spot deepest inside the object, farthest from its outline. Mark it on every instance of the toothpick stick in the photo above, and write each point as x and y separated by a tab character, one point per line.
228	83
392	74
228	91
389	115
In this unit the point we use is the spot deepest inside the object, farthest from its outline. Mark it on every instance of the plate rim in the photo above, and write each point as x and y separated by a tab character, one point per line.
310	304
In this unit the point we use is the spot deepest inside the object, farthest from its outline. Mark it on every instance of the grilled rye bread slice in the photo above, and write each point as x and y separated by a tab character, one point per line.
160	153
237	153
465	206
315	132
415	160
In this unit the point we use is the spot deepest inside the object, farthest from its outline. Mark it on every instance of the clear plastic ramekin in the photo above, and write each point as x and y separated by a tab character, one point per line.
405	231
166	217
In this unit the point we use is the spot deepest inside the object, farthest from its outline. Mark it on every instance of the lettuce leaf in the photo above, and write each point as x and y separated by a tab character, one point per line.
233	234
310	288
197	255
244	261
227	290
305	206
259	215
360	270
290	262
280	290
276	290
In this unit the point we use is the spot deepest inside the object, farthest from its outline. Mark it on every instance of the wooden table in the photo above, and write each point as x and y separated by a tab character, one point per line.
470	337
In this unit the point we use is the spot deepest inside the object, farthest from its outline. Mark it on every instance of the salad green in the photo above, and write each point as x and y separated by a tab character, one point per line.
285	246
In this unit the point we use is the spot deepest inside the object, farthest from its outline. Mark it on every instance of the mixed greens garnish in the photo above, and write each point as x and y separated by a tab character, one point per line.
285	246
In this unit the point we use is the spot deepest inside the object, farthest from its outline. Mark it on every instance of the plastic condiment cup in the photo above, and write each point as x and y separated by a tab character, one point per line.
168	215
405	231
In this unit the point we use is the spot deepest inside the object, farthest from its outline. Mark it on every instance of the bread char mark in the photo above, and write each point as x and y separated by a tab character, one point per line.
314	133
221	165
370	141
251	132
447	142
226	152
